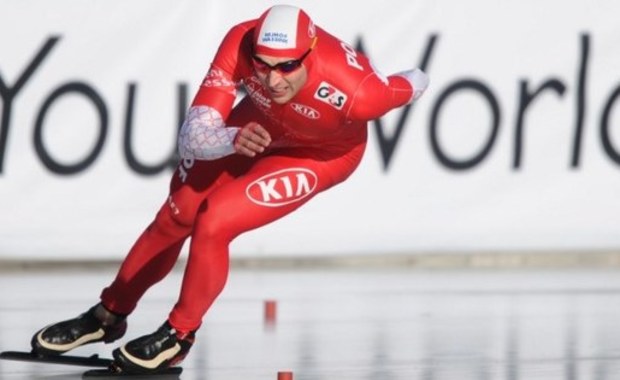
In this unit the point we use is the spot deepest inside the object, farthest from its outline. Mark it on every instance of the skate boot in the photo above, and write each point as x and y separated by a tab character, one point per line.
155	352
86	328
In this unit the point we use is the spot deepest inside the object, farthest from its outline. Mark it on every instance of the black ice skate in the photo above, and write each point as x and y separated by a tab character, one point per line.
154	353
87	328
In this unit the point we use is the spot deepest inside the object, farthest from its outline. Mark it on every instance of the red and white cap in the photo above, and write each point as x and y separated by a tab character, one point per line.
284	31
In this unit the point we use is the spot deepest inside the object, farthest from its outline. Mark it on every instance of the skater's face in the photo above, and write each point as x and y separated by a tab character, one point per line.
281	77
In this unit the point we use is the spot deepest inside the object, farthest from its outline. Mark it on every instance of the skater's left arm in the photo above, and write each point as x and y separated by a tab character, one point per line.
378	94
204	134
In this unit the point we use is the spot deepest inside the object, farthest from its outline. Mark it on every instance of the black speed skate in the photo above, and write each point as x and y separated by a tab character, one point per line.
154	353
63	336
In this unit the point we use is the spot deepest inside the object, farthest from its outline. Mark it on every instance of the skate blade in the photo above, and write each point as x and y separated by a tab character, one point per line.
115	373
84	361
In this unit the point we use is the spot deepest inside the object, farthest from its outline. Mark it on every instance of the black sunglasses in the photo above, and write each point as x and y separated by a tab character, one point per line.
286	67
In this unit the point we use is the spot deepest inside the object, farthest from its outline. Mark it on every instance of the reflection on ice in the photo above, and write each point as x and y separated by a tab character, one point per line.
367	325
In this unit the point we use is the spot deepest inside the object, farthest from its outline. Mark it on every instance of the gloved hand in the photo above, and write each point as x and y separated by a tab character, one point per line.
418	79
252	139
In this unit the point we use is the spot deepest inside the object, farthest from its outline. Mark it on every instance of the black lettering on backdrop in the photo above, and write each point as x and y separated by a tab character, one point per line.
173	159
464	85
387	145
8	94
581	99
525	99
528	94
90	94
613	153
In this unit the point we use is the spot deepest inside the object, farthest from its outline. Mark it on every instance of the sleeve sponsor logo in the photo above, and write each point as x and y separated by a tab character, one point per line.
282	187
257	93
306	111
217	78
330	95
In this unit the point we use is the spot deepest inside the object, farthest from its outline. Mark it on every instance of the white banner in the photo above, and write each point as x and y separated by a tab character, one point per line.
515	146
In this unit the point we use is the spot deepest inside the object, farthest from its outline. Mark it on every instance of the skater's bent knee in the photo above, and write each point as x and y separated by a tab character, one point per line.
172	221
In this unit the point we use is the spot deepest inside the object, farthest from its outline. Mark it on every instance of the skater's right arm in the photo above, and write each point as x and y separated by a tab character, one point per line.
204	134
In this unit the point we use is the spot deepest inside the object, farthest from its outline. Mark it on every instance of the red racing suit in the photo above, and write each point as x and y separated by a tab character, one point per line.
318	139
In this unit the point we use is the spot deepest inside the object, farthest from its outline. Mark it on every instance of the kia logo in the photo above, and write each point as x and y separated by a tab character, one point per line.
306	111
282	187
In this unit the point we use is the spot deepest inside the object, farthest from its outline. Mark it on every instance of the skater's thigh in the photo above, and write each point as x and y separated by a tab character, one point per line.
194	180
